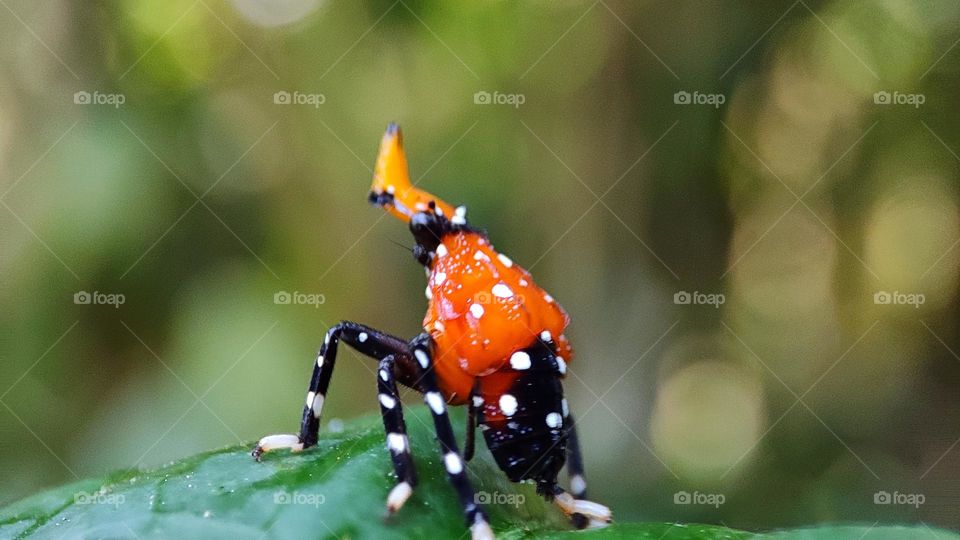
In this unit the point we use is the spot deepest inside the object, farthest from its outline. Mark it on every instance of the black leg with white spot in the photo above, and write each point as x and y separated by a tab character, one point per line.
578	481
365	340
422	347
397	442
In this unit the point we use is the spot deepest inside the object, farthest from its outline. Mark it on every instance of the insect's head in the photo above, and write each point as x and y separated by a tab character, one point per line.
391	187
429	218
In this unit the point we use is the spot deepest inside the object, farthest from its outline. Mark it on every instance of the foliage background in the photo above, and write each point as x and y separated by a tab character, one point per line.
199	198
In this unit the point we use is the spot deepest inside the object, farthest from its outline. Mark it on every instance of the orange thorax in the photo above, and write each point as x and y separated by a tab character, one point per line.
482	309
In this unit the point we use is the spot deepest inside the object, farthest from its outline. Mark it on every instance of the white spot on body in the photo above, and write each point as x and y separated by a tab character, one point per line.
520	360
453	463
565	407
397	442
435	402
439	278
508	404
384	375
554	420
422	358
505	260
387	401
501	290
480	256
428	293
546	335
441	250
561	365
391	189
326	339
477	401
438	326
523	282
310	396
548	298
319	360
362	337
476	310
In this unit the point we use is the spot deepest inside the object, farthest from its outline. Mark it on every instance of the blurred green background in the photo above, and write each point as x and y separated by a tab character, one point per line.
824	211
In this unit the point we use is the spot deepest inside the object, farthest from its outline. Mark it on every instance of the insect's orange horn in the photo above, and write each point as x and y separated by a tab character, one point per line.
391	187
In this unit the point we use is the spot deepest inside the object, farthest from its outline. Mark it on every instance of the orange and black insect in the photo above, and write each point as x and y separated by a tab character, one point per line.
493	341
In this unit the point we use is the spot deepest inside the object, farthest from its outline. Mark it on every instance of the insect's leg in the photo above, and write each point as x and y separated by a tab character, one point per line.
364	339
392	412
578	482
475	517
473	408
582	513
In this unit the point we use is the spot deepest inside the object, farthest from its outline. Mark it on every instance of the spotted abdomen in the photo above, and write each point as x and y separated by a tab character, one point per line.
523	416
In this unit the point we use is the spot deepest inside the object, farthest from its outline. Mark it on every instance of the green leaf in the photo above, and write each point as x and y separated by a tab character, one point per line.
338	490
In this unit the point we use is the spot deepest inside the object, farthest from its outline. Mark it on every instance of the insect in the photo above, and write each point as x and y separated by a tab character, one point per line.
493	341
